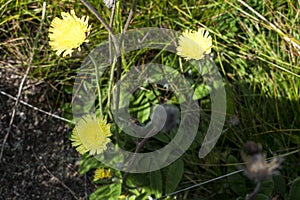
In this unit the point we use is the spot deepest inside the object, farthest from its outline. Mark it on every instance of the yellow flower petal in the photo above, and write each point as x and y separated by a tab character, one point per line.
68	33
101	173
194	45
91	135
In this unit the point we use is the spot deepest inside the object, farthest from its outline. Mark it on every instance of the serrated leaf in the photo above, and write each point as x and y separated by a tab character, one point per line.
107	192
174	176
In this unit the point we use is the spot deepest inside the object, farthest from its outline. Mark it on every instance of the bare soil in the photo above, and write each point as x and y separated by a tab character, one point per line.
38	161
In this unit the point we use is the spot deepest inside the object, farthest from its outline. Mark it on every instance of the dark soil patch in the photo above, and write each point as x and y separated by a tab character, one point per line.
38	161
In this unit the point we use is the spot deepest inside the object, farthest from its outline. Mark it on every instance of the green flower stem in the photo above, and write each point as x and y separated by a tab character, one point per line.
108	28
111	79
97	78
111	59
116	44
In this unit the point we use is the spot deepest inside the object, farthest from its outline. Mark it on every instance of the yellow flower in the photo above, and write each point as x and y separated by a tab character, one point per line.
91	135
193	45
122	197
101	173
68	33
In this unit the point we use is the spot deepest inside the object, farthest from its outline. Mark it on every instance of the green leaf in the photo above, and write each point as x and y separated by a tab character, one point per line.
237	182
151	97
137	180
174	176
107	192
68	89
138	100
201	91
162	137
143	196
295	190
295	139
144	111
267	187
230	100
156	183
88	163
261	197
279	184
